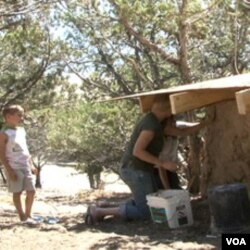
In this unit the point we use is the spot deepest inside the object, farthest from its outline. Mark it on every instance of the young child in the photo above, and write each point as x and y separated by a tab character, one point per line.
15	157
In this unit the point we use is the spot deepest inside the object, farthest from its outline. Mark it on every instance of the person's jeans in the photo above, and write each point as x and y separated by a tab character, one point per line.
141	184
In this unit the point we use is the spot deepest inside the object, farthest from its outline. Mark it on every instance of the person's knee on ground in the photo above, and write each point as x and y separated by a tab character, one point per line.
132	211
144	212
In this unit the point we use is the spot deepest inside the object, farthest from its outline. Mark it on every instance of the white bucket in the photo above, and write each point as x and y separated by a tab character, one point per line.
172	206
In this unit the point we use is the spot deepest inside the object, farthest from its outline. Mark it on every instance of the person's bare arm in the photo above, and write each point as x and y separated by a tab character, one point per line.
32	166
140	151
10	171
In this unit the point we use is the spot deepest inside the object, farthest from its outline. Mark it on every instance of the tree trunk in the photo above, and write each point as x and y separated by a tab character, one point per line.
194	142
38	178
227	157
194	164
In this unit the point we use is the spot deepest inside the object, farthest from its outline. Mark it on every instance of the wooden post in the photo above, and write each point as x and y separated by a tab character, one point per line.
243	101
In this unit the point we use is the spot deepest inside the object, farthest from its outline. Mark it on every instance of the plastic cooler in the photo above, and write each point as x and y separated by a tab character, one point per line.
171	206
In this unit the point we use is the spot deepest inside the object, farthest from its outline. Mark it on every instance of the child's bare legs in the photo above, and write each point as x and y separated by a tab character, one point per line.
30	195
18	205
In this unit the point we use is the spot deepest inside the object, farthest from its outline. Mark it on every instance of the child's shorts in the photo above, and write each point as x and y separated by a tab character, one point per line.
25	181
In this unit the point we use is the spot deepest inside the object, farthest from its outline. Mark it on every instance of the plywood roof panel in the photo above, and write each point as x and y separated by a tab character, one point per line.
195	95
236	82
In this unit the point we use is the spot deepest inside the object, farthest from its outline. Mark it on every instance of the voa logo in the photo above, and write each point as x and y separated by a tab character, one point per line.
236	241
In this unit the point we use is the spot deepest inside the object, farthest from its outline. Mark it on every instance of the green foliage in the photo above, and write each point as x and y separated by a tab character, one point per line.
36	124
92	133
115	47
114	61
30	61
117	62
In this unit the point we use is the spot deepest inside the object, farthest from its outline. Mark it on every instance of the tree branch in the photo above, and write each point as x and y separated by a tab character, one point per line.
145	42
203	13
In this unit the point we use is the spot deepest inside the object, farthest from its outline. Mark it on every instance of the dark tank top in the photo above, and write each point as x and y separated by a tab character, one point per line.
148	122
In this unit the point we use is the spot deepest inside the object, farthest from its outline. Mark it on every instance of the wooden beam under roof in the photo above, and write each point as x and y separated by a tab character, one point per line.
243	101
146	102
186	101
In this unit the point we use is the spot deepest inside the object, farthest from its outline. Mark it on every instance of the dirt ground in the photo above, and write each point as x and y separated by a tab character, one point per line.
70	231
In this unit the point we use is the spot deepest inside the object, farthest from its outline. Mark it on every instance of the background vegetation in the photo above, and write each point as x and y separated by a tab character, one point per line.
114	47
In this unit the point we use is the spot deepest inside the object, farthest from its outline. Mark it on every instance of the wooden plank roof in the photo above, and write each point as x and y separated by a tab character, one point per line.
195	95
231	82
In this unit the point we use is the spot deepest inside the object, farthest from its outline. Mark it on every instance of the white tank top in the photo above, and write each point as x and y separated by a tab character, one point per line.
17	152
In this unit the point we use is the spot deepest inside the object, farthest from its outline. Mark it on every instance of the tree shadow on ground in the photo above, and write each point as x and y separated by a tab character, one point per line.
9	220
149	232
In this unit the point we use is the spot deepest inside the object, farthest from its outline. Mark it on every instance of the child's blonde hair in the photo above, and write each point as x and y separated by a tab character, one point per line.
12	109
